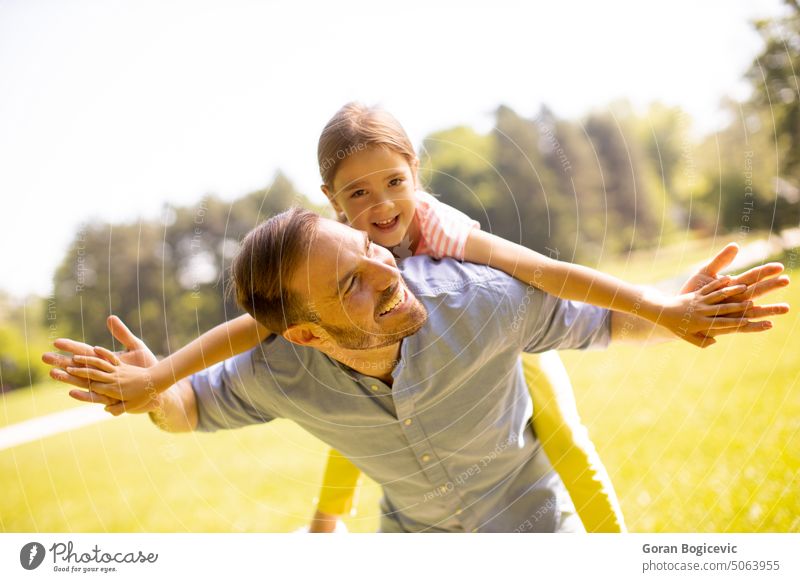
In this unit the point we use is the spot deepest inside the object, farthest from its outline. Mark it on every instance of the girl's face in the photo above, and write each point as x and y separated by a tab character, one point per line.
374	188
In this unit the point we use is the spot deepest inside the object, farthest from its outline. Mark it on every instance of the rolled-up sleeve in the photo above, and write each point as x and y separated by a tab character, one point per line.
545	322
227	395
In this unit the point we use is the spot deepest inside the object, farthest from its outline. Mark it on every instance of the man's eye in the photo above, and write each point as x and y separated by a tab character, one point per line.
358	194
351	286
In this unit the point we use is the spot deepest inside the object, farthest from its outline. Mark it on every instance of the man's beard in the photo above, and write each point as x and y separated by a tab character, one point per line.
353	338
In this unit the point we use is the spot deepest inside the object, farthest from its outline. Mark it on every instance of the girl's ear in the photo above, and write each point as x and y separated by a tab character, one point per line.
331	199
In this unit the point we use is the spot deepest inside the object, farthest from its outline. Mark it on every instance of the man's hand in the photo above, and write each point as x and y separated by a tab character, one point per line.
85	358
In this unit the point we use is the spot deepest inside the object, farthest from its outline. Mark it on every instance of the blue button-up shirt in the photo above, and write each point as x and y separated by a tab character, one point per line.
450	442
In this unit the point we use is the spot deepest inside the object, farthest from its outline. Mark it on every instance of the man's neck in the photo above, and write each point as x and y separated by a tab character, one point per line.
377	362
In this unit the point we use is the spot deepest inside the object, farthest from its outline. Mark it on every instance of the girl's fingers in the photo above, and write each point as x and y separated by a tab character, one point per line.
56	359
94	362
107	355
721	294
62	376
714	285
90	374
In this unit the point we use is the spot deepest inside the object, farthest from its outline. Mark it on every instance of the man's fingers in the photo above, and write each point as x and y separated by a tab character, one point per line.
756	274
93	362
757	311
93	397
723	259
89	373
68	345
764	287
752	327
120	331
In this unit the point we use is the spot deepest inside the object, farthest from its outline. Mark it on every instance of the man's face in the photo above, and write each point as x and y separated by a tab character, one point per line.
355	288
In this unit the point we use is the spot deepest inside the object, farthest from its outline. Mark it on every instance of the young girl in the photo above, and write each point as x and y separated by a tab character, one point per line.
369	172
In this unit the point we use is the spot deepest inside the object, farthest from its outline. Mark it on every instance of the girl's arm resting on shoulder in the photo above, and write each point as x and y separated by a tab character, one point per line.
563	280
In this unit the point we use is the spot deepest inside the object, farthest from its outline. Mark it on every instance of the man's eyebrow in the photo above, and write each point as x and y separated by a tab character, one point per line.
349	273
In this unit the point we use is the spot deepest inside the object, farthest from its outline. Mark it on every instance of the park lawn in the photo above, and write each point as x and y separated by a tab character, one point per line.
695	440
700	440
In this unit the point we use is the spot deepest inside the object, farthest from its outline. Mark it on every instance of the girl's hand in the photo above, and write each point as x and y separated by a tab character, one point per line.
111	377
692	314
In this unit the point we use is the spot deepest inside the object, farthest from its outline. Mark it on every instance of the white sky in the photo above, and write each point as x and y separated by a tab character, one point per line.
110	109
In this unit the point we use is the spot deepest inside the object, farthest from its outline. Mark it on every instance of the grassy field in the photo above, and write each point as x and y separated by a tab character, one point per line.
694	441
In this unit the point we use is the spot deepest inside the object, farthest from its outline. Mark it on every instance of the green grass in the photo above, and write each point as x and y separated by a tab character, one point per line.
695	440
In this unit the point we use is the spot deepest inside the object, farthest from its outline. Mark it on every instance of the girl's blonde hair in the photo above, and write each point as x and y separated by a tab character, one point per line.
354	128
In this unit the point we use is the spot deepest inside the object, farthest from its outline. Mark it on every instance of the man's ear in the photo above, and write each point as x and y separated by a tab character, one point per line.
302	334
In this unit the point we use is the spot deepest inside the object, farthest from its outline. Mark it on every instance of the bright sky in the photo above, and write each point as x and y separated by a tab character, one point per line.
109	109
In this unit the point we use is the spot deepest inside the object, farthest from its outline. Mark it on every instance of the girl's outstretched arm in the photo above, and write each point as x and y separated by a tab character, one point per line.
686	315
133	384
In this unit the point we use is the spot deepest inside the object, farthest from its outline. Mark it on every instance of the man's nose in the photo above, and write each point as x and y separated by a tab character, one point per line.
383	274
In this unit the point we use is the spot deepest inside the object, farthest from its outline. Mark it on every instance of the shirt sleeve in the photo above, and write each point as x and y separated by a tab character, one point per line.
544	322
228	393
444	229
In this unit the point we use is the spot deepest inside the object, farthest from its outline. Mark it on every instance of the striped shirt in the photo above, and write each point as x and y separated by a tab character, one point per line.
443	229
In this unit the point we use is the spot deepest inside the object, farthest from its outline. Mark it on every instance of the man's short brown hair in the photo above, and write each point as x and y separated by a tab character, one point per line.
267	259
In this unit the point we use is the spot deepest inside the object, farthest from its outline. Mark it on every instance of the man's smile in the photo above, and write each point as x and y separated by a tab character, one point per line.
394	302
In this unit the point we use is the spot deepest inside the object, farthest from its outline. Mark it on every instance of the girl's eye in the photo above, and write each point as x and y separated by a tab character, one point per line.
395	181
358	194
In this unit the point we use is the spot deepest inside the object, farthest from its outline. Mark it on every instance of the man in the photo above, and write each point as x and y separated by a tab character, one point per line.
412	373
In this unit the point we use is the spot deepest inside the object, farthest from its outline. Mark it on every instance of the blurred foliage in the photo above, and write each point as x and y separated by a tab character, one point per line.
165	278
581	190
22	341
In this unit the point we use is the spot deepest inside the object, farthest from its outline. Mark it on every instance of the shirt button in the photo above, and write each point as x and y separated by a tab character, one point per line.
426	458
374	387
407	422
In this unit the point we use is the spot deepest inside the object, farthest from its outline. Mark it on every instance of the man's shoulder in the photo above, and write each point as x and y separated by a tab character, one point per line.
428	277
